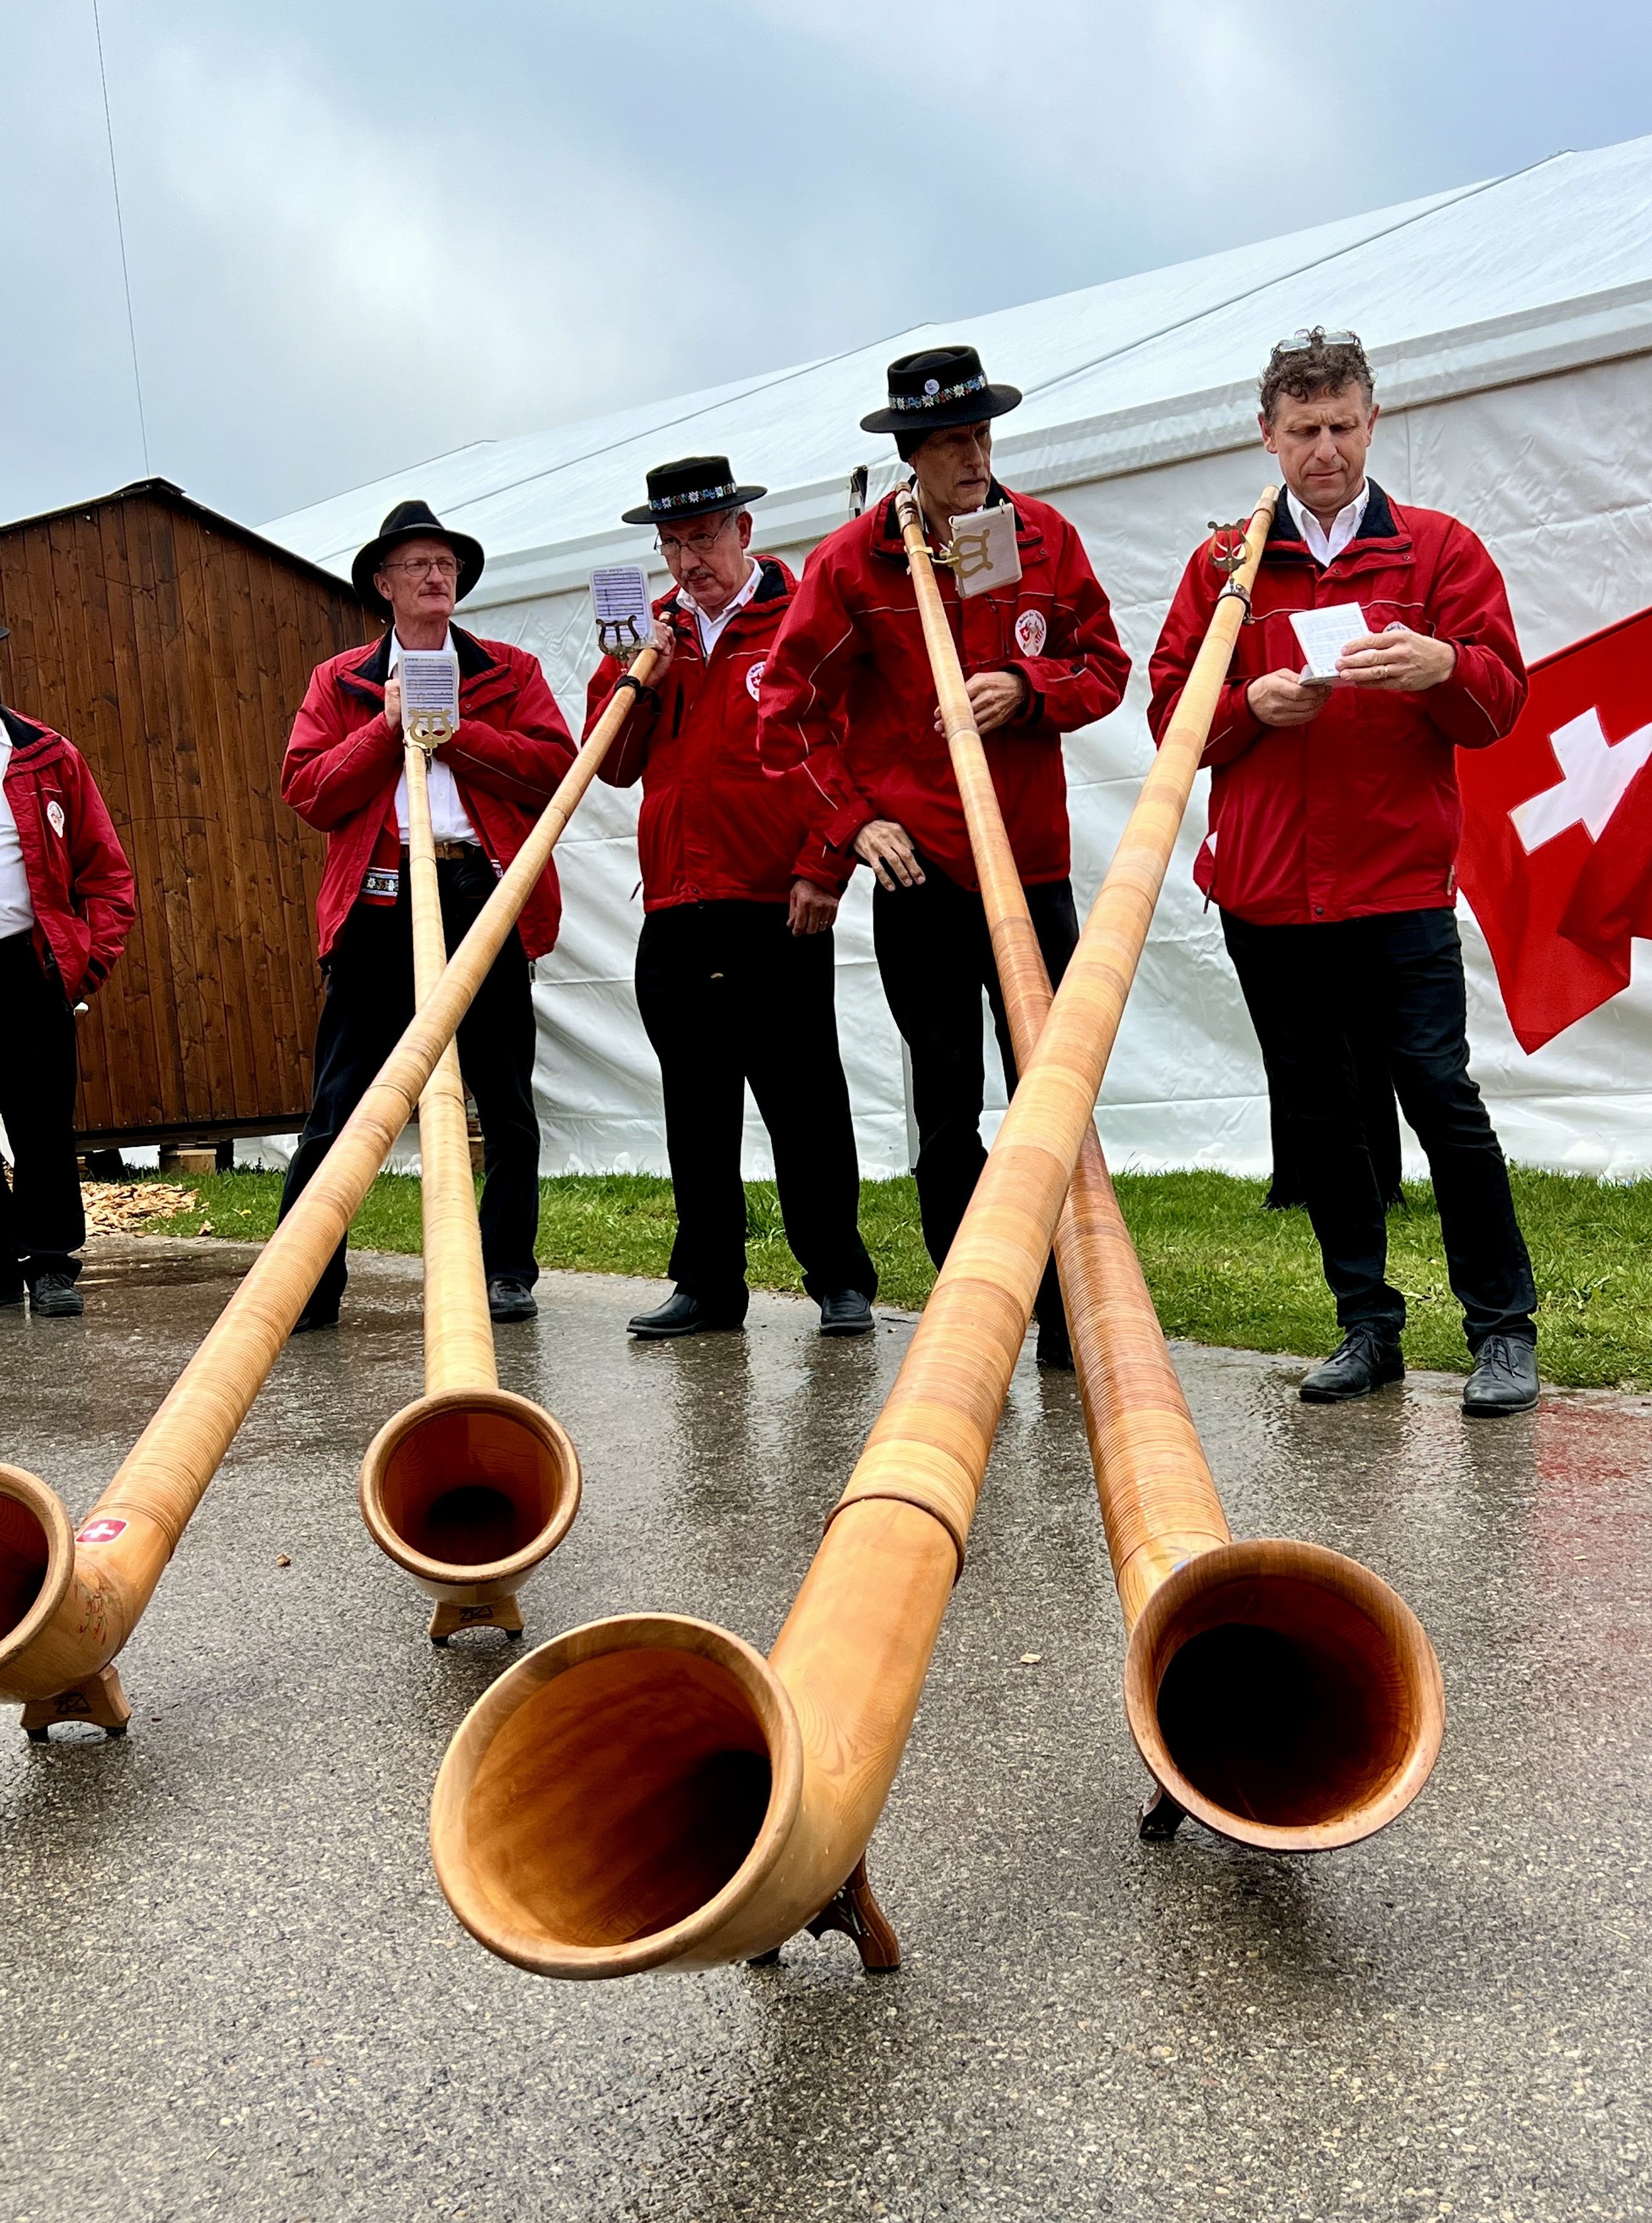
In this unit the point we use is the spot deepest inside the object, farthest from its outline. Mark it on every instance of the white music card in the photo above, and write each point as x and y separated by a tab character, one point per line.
624	608
430	692
984	546
1323	634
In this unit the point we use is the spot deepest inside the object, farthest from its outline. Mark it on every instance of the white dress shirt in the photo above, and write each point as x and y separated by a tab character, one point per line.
16	905
711	628
1325	547
448	820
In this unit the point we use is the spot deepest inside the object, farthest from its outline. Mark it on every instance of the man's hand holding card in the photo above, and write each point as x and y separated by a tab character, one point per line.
1399	661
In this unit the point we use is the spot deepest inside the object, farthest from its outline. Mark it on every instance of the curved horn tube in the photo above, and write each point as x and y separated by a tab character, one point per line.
470	1488
1281	1693
99	1582
569	1770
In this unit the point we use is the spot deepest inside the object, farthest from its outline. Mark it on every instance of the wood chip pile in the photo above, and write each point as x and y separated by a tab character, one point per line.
125	1207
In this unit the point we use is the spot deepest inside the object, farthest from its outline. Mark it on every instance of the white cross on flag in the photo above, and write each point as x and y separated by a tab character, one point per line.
1556	859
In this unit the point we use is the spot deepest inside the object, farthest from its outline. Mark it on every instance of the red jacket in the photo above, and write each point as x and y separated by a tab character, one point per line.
715	828
1358	812
79	882
343	762
848	691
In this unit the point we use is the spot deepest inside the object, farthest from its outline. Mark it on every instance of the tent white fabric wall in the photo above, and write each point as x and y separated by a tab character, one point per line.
1511	326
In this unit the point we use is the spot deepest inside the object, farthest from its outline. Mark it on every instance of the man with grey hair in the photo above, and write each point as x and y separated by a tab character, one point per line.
1334	823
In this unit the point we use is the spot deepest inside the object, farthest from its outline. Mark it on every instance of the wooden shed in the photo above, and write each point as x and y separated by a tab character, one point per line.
172	646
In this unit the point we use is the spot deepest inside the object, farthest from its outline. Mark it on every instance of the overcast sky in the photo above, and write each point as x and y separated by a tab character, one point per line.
361	236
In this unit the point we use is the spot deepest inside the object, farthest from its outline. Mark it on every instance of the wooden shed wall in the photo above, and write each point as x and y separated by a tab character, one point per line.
174	654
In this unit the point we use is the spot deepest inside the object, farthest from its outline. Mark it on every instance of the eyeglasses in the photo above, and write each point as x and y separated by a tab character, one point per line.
1303	342
420	567
692	544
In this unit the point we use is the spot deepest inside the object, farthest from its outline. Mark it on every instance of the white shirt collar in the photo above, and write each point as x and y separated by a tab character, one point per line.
711	627
1325	547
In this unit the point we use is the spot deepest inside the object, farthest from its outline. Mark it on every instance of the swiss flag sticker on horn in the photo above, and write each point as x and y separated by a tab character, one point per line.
1557	832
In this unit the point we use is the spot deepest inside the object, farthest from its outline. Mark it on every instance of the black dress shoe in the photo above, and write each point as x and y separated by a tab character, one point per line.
53	1296
846	1312
682	1314
1363	1360
1054	1344
1505	1379
509	1297
320	1312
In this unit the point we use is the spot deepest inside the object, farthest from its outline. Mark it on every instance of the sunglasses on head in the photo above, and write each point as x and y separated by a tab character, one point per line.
1303	342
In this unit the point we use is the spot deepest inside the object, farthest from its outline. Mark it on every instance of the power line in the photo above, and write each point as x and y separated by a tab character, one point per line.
120	233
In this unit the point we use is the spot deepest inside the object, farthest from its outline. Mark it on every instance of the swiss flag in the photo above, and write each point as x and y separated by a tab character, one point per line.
1557	832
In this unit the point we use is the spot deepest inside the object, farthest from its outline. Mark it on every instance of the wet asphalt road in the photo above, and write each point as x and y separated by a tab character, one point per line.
229	1988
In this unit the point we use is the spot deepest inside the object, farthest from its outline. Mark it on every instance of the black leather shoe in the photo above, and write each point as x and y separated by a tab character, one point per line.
846	1312
318	1312
681	1314
53	1296
12	1293
1505	1379
509	1297
1363	1360
1054	1344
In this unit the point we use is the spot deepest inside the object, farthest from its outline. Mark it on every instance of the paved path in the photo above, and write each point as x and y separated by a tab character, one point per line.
229	1988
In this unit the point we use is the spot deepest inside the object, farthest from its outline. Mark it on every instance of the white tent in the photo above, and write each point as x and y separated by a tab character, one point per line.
1510	325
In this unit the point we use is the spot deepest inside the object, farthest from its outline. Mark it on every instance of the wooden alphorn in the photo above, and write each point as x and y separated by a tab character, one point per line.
69	1601
649	1791
470	1486
1279	1691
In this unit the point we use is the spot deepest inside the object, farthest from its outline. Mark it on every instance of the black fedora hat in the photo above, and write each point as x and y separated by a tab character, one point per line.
689	487
939	386
414	520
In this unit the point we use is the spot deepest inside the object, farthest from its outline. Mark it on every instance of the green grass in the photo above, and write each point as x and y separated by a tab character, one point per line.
1222	1269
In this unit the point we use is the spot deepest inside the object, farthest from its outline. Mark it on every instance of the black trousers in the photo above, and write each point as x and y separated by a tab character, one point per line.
1402	972
935	955
369	1000
729	994
40	1216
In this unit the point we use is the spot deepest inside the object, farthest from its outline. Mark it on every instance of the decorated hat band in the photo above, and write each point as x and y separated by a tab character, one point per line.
698	497
935	396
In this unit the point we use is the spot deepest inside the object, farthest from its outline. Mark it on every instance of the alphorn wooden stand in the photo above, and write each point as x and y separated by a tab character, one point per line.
68	1602
1159	1503
471	1487
649	1792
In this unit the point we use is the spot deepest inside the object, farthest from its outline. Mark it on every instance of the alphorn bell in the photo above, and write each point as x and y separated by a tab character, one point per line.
649	1792
69	1601
1278	1690
471	1487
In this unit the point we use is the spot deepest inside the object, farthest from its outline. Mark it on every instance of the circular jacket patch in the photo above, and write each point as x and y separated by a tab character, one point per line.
1030	632
754	676
54	816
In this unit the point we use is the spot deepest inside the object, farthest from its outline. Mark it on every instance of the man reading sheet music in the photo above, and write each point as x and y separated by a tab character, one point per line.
1381	643
849	695
344	774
